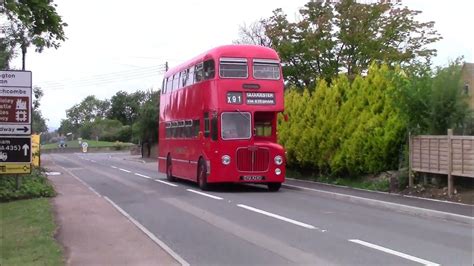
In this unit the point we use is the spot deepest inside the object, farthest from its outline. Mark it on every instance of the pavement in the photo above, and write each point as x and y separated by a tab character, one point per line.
302	224
93	232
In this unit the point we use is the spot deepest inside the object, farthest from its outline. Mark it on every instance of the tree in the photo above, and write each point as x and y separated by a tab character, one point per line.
33	22
253	34
6	53
87	110
38	121
125	107
146	126
345	36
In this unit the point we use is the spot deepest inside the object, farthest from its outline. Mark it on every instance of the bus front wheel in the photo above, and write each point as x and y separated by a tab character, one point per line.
169	170
202	175
274	186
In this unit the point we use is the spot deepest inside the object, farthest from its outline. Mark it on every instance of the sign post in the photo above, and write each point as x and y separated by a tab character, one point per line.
15	122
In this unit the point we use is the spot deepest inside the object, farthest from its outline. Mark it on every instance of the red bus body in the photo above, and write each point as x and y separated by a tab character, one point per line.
206	120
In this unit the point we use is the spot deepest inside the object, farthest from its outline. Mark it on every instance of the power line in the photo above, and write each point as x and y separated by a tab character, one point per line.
106	78
114	74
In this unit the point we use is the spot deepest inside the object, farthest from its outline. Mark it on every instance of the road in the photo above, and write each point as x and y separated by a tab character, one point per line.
246	225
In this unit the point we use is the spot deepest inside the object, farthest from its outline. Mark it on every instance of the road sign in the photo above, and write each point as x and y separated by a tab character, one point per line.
15	168
7	129
15	102
15	78
14	149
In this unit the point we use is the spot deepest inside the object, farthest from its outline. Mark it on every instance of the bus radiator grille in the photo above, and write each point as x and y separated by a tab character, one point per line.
253	159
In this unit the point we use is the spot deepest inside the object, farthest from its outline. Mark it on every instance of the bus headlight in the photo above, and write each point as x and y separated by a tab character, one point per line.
278	160
225	159
277	171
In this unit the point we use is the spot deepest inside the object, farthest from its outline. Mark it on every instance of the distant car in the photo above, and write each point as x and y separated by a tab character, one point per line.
3	156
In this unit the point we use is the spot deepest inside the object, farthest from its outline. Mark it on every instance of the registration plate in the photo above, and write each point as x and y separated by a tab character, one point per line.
253	178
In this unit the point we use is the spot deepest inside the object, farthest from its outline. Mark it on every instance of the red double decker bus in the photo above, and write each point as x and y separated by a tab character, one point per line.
218	117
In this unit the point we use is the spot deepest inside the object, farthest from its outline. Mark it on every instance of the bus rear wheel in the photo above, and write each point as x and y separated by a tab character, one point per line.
202	175
169	170
273	187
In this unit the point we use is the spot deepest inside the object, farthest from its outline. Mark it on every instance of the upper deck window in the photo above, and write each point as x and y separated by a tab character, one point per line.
209	69
233	68
266	69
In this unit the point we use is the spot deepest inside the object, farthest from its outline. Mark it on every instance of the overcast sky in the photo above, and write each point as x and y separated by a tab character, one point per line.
117	45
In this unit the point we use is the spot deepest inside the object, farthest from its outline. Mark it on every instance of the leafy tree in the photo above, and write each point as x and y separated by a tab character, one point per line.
33	22
38	121
146	126
345	36
125	107
87	110
67	126
448	109
6	53
254	34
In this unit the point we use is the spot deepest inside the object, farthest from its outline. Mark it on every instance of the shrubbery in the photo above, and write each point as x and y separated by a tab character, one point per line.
35	185
360	126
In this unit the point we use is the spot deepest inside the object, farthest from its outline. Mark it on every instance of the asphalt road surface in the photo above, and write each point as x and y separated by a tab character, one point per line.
247	225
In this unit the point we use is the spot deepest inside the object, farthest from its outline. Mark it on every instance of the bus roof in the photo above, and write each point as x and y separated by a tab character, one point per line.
234	50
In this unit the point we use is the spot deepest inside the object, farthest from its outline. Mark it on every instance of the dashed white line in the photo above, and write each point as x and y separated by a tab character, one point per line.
204	194
147	177
93	161
149	234
115	167
277	216
166	183
393	252
124	170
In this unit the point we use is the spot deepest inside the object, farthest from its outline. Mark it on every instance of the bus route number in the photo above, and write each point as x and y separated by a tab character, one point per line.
234	97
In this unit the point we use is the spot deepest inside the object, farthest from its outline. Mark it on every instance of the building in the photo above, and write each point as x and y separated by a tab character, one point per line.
467	75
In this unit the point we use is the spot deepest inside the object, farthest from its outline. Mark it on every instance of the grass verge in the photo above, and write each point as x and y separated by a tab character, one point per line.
27	234
91	144
358	182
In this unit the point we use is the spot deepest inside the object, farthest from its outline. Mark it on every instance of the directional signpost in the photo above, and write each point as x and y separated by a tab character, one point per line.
15	122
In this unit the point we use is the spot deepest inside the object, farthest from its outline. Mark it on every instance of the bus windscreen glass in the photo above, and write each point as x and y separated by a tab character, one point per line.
236	125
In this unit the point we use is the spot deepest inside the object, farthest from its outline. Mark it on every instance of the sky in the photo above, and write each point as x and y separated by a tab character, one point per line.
115	45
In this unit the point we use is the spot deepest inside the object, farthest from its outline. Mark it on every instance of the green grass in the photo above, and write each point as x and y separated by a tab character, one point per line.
27	234
92	144
358	182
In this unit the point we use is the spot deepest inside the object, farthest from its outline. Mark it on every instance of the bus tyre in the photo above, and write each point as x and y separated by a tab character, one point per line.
274	186
202	175
169	170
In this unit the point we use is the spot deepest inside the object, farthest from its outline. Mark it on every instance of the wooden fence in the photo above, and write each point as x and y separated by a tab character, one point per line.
449	155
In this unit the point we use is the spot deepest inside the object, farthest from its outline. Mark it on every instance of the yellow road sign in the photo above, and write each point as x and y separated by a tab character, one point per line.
15	168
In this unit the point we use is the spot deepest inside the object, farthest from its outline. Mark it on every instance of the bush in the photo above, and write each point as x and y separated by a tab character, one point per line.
35	185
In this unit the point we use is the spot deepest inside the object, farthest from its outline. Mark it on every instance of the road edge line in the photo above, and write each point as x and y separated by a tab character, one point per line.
417	211
378	192
153	237
81	181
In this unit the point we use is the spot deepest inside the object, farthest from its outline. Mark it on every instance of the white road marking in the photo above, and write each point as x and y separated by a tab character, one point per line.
147	177
166	183
149	234
115	167
204	194
81	181
408	209
93	161
276	216
393	252
125	170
